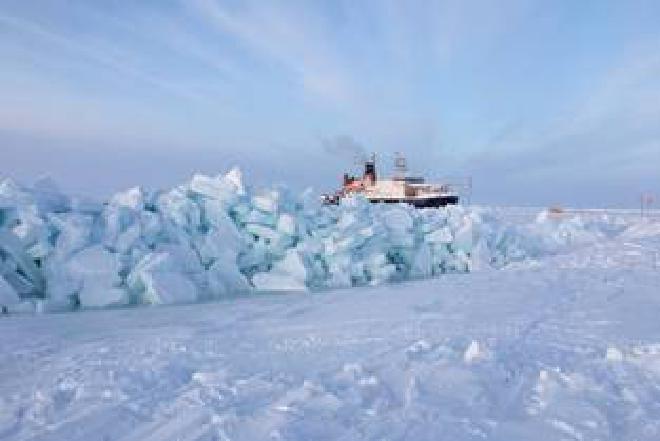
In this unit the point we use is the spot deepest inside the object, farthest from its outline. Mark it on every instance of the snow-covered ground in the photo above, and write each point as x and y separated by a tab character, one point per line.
556	346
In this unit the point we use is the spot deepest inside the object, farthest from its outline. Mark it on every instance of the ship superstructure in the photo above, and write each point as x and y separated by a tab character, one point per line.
400	188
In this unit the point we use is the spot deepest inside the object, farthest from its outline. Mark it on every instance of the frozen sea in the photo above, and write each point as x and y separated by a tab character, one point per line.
562	347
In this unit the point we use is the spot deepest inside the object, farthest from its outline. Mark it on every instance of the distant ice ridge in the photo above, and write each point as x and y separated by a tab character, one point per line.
213	237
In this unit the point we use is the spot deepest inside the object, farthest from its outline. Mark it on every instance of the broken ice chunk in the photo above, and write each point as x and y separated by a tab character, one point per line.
132	198
398	219
382	274
49	198
97	271
128	238
473	353
8	297
224	277
286	223
183	212
266	201
235	178
167	287
27	279
74	232
260	217
463	239
159	278
288	274
422	264
262	232
442	235
614	354
214	188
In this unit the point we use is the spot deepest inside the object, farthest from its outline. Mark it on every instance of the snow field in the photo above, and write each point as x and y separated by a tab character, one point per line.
507	355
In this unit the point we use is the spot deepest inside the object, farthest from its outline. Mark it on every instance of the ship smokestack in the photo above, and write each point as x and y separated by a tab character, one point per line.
370	169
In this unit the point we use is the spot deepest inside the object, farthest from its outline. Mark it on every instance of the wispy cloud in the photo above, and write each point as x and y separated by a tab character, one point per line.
605	148
288	37
106	55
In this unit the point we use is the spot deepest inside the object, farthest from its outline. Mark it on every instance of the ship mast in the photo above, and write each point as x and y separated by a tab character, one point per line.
400	165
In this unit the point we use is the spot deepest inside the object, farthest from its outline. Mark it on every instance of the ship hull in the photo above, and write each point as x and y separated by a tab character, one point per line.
430	202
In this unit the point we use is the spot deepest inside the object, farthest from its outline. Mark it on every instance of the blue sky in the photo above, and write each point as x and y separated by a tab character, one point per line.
541	102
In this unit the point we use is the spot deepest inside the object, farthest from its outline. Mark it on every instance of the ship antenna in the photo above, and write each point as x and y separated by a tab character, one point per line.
400	164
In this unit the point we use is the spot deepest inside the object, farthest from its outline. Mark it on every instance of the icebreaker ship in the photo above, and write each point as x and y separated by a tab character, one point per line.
400	188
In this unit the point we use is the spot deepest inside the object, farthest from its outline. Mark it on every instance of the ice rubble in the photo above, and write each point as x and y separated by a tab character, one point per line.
213	237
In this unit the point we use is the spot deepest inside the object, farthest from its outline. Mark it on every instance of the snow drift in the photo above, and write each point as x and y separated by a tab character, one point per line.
213	237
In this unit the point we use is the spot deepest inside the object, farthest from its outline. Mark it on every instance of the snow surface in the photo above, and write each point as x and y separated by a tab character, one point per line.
552	346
